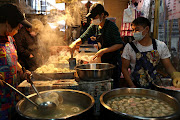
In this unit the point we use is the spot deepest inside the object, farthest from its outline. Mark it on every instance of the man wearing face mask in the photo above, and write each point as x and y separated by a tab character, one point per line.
108	35
143	55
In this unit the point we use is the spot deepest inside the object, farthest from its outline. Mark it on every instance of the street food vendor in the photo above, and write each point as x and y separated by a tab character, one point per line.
10	20
143	55
27	45
108	35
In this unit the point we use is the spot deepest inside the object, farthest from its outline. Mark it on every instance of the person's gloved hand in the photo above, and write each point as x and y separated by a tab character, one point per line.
176	79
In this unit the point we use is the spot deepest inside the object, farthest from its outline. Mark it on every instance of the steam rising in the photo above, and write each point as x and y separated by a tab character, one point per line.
51	34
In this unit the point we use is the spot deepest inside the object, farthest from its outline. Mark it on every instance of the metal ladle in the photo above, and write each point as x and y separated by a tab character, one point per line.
45	105
20	93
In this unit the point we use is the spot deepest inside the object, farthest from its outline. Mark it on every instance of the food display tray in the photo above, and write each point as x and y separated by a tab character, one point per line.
53	76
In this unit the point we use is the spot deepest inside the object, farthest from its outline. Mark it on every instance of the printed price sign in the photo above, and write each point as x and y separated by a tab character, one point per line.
173	9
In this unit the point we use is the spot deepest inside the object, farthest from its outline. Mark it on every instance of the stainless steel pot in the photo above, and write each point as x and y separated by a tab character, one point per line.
75	97
109	113
95	71
166	82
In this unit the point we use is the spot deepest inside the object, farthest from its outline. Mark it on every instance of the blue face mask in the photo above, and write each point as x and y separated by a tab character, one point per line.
138	35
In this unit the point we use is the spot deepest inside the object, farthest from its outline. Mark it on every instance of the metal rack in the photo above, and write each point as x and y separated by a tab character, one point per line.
42	4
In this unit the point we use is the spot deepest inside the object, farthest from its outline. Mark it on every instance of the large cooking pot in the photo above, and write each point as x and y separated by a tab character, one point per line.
108	113
159	85
95	71
77	98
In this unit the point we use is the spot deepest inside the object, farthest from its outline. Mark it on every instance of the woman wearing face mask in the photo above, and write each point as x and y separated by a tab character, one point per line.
108	35
10	19
144	54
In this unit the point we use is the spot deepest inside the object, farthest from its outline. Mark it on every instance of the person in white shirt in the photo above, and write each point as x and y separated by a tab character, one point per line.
144	54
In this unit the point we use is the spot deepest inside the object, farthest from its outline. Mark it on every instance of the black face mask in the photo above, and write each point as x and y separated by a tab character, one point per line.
135	4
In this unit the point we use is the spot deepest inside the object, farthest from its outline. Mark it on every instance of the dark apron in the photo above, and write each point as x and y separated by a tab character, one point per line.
145	68
111	57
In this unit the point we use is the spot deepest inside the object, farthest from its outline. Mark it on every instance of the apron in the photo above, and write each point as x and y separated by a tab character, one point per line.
145	68
8	69
111	58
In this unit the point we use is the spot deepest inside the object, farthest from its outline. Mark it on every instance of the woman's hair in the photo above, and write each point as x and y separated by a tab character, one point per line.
95	9
142	21
106	13
11	22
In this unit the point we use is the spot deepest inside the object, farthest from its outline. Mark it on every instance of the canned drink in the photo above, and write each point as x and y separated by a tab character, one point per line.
72	63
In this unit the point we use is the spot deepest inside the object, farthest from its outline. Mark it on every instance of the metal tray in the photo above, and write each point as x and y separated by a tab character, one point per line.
53	76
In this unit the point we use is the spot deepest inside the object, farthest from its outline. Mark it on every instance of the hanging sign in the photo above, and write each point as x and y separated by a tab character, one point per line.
63	1
173	9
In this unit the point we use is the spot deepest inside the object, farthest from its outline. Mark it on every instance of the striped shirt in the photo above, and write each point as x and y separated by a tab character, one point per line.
110	33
